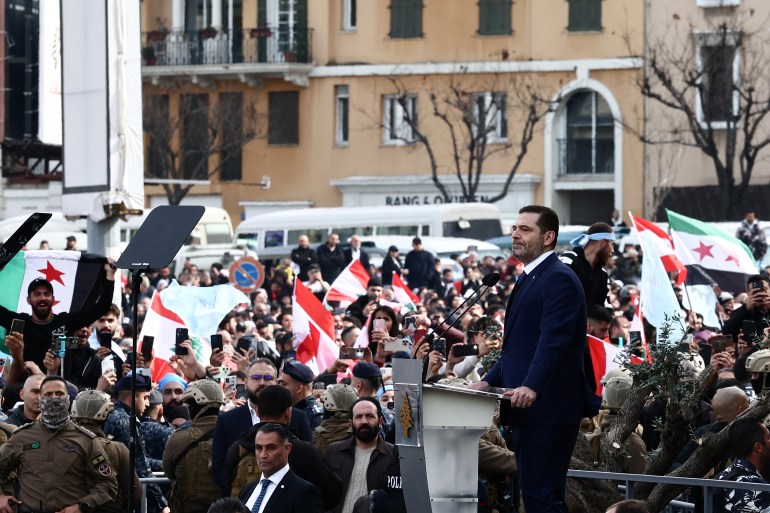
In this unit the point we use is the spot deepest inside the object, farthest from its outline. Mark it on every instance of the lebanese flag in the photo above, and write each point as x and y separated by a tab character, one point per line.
199	309
652	234
604	357
657	296
313	329
350	284
403	294
75	278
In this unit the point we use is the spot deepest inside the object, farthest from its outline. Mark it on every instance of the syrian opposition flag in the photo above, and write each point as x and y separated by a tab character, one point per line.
350	284
199	309
727	260
657	296
75	277
654	235
604	358
404	294
313	328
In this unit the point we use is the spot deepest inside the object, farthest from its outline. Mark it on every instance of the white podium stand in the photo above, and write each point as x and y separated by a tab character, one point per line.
437	432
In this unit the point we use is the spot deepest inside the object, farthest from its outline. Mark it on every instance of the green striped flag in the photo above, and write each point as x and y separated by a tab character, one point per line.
706	249
73	275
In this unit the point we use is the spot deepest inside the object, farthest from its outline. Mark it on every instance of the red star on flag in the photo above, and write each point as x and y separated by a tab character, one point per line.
731	258
51	273
703	250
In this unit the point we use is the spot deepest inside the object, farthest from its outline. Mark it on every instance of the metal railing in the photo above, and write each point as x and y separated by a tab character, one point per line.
708	485
586	156
160	478
210	46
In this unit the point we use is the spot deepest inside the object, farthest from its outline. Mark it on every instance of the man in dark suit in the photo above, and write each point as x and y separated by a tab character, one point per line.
542	361
232	424
355	252
279	490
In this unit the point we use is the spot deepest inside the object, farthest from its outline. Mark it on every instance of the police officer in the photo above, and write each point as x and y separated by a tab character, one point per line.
61	466
187	458
90	410
118	426
297	378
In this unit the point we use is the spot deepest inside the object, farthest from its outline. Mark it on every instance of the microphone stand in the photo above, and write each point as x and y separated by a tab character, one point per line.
488	281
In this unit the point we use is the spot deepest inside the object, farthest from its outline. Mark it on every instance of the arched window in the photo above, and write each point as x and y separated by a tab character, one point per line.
588	147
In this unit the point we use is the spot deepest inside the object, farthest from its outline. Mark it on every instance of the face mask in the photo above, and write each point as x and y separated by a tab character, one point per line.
54	411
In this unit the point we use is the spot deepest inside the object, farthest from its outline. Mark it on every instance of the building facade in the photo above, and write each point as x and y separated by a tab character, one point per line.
337	102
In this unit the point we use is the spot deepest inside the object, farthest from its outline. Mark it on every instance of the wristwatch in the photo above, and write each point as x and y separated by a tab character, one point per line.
84	507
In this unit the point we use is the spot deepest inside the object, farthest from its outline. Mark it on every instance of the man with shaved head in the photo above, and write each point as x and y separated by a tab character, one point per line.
726	405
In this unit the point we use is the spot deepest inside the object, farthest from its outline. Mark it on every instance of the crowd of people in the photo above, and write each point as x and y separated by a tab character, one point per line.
253	429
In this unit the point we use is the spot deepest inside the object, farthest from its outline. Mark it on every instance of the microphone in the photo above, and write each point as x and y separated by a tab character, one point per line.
488	281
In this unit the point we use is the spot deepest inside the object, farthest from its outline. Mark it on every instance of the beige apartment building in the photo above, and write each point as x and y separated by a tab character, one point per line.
338	93
715	53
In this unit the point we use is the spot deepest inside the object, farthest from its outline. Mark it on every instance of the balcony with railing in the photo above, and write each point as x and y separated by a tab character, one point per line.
586	157
261	45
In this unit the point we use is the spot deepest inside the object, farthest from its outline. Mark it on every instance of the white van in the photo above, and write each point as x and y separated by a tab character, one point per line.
54	232
475	220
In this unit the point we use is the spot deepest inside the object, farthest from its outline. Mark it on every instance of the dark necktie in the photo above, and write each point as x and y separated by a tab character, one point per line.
265	483
519	282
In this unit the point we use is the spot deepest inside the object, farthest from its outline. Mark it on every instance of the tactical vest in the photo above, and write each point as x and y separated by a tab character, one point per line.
112	451
194	489
247	470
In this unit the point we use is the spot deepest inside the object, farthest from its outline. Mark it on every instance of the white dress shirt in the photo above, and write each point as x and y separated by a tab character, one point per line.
533	264
253	413
274	480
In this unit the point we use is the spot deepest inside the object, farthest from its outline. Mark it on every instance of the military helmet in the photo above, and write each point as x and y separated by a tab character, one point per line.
616	390
614	373
92	405
339	397
204	391
759	361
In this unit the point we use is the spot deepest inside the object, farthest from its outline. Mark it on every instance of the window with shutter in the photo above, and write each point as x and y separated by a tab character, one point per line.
405	19
585	15
195	134
495	17
232	130
283	118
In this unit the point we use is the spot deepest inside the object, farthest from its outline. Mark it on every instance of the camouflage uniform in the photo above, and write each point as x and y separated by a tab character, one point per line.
156	437
332	430
743	501
57	468
313	410
118	425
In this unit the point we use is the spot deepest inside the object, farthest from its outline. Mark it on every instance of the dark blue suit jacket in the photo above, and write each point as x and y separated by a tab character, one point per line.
544	344
292	495
231	425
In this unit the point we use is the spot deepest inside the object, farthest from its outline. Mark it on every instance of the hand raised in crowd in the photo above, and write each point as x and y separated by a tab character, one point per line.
103	352
757	299
722	360
139	363
453	360
435	360
110	268
52	363
106	380
489	345
338	366
369	308
32	368
14	341
217	357
420	349
241	359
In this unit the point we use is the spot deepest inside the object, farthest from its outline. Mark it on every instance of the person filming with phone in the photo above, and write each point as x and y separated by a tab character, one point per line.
757	307
82	363
39	326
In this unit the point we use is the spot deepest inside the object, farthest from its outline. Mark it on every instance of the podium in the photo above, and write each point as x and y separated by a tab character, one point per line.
437	433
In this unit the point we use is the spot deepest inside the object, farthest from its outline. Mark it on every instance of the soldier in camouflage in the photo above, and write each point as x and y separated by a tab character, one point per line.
187	458
297	378
118	426
336	400
750	441
90	410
